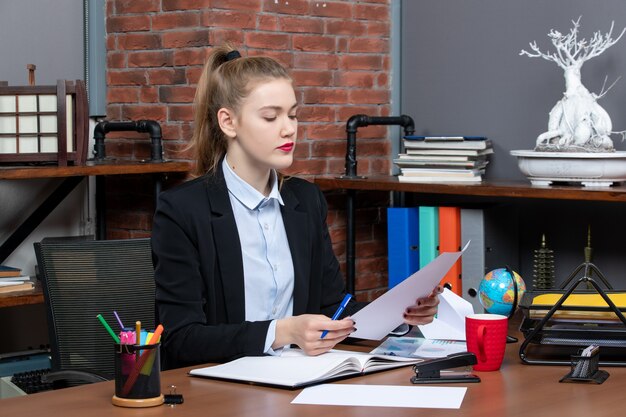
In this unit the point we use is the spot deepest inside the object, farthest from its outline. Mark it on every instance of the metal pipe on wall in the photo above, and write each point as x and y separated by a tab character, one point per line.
353	124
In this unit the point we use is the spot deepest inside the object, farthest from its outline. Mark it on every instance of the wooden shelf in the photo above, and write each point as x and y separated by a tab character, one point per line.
18	298
493	189
91	168
488	192
108	167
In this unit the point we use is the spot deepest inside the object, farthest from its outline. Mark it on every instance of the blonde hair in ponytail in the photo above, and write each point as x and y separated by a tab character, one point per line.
224	83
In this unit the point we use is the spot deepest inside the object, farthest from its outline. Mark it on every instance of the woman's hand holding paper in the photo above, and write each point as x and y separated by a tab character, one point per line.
424	309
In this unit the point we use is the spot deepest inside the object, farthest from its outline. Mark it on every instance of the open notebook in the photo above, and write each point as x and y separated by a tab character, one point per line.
293	369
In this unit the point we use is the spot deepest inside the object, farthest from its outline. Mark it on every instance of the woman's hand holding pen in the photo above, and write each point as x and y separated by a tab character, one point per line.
424	309
306	330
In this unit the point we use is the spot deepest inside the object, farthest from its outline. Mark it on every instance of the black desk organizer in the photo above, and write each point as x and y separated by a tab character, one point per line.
585	369
549	342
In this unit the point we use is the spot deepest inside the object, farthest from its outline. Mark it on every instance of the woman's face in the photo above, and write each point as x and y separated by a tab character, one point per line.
265	127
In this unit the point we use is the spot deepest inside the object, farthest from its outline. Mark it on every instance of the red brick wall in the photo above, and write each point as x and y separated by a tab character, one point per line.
338	54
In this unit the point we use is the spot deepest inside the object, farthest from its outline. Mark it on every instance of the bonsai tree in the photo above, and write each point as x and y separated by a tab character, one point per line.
577	122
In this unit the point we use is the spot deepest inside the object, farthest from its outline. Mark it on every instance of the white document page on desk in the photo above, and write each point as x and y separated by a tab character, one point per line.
378	318
382	396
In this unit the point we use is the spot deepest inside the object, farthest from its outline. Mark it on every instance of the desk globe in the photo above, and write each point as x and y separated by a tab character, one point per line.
496	292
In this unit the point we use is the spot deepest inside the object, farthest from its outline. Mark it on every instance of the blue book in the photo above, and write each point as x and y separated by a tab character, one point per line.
428	234
403	243
9	271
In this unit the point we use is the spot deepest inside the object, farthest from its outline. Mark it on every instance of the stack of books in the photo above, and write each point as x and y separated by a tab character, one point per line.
444	158
12	280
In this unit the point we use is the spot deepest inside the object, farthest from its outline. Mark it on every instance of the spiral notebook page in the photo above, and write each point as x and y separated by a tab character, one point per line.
296	369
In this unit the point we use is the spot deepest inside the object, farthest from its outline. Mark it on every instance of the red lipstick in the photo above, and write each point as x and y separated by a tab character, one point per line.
287	147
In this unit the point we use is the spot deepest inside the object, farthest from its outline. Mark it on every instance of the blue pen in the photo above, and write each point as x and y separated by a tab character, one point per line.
342	306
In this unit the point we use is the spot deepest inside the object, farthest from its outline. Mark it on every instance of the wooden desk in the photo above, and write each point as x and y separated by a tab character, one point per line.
517	390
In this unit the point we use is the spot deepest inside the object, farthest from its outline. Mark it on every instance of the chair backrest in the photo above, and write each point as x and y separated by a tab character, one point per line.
83	278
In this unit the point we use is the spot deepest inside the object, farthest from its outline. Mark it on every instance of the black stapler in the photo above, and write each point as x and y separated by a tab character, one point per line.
429	372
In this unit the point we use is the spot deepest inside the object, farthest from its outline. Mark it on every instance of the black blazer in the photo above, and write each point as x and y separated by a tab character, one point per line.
199	269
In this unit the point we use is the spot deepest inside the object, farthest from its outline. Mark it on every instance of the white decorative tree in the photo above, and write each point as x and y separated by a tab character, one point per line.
577	122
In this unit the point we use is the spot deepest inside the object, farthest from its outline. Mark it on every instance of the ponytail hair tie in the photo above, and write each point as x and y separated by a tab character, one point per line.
232	55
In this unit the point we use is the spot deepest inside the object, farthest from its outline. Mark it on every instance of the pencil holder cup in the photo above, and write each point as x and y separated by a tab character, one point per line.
137	376
585	369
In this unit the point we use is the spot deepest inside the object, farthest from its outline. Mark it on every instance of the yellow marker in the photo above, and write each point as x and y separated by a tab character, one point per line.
147	367
137	332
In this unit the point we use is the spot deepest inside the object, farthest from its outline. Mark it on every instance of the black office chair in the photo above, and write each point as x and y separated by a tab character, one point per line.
82	278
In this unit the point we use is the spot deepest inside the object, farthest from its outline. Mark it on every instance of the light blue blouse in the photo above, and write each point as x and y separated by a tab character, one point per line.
267	264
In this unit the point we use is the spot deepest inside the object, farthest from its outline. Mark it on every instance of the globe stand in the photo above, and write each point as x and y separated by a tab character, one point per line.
512	339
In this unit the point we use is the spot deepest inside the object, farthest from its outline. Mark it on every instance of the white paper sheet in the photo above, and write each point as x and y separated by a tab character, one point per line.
450	321
9	283
382	396
384	314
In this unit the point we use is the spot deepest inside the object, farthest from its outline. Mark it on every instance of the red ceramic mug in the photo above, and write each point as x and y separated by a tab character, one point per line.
486	338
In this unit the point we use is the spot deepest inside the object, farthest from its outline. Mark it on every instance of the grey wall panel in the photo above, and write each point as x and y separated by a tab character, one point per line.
96	57
47	33
462	72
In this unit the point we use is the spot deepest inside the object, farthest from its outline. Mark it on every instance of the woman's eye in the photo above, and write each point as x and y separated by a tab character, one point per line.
293	117
270	119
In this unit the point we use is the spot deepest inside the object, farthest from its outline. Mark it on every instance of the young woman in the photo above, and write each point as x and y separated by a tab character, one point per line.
243	259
